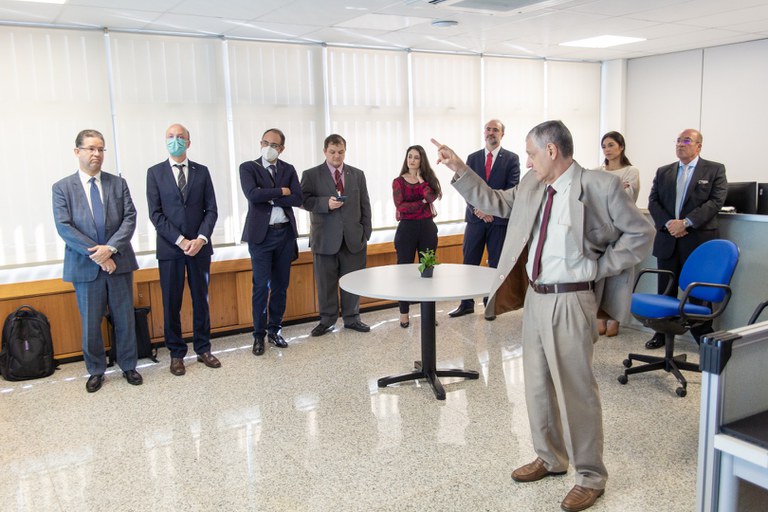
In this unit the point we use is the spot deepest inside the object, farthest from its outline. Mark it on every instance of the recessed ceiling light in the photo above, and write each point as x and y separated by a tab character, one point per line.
45	1
444	23
602	41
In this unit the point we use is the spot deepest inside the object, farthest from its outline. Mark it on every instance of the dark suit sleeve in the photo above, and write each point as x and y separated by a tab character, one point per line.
311	201
513	176
65	225
706	211
294	198
250	184
365	208
211	209
159	219
660	214
121	239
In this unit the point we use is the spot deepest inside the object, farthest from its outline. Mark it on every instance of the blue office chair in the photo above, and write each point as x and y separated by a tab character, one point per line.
705	277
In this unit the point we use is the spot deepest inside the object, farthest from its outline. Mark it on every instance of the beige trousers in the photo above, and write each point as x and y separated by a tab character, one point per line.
564	409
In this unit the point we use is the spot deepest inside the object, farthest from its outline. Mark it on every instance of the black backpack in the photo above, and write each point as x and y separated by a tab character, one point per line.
27	351
144	345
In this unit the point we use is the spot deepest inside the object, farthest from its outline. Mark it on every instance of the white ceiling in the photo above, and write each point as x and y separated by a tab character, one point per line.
533	31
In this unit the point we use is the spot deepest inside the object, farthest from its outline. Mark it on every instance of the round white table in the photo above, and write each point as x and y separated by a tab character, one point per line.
403	282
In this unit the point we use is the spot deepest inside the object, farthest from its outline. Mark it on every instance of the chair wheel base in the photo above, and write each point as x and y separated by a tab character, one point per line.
681	392
627	363
622	379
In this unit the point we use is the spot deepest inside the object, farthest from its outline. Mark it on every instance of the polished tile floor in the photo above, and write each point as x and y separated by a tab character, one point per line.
307	429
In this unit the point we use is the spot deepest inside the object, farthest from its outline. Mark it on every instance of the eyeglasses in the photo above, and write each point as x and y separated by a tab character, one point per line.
92	149
686	141
273	145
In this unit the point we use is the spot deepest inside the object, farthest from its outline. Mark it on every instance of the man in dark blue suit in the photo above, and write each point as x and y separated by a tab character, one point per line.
500	169
685	199
182	207
95	216
272	189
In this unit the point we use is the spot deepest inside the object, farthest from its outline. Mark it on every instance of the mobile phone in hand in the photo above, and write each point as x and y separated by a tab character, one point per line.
341	198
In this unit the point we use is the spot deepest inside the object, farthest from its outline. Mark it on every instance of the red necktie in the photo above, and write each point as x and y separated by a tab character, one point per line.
488	165
339	183
542	234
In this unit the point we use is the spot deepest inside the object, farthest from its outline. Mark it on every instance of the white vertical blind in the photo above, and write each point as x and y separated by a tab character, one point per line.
277	86
573	96
54	85
514	94
369	108
57	83
159	81
446	98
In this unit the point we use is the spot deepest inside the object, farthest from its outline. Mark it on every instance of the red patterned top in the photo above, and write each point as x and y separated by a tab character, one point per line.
410	199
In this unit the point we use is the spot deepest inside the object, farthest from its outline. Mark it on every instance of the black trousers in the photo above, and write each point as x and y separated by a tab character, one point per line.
412	237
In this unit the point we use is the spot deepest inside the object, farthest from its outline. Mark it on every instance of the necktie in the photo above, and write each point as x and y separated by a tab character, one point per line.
682	177
488	165
542	234
339	183
98	212
182	180
273	173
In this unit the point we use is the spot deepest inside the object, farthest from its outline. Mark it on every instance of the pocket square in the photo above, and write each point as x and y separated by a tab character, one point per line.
703	182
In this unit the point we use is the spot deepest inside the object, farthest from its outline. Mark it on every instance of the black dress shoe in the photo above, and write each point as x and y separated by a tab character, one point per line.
461	311
258	346
133	377
94	383
657	341
321	329
277	340
405	325
491	318
358	326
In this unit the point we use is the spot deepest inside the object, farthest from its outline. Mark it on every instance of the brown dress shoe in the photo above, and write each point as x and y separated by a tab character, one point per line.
533	471
602	326
177	366
612	329
209	360
580	498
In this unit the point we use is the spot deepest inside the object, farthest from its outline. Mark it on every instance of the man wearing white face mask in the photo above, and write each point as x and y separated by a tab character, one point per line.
272	189
182	207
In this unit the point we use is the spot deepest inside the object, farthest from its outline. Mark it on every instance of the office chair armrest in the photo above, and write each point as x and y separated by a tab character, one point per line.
759	309
656	271
721	305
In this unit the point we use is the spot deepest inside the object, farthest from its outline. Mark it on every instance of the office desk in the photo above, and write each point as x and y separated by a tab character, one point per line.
403	282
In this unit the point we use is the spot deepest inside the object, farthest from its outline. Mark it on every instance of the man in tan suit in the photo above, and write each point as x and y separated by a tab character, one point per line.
583	232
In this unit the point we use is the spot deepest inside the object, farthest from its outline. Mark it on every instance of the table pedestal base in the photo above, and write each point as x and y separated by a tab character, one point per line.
431	376
425	369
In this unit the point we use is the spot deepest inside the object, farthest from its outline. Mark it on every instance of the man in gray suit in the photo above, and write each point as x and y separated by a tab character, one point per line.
336	196
593	234
95	216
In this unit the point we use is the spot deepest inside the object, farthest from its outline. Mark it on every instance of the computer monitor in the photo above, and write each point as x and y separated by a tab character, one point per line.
742	196
762	198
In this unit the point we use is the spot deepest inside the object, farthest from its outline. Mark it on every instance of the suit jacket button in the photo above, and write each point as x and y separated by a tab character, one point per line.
501	277
514	260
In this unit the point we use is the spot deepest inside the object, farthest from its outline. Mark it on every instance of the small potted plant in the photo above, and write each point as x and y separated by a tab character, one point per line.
427	262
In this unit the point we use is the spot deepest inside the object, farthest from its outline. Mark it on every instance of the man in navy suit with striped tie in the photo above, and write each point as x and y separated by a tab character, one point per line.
182	207
95	216
500	169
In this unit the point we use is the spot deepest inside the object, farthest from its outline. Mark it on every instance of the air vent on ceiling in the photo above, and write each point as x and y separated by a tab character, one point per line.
498	7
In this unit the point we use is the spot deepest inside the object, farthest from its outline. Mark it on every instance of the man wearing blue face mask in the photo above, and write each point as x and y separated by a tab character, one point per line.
182	207
272	189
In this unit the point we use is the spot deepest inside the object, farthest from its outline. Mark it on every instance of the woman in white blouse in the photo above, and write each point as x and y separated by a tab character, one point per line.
616	162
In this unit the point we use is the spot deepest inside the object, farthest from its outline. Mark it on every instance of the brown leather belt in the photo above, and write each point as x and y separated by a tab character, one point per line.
563	287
